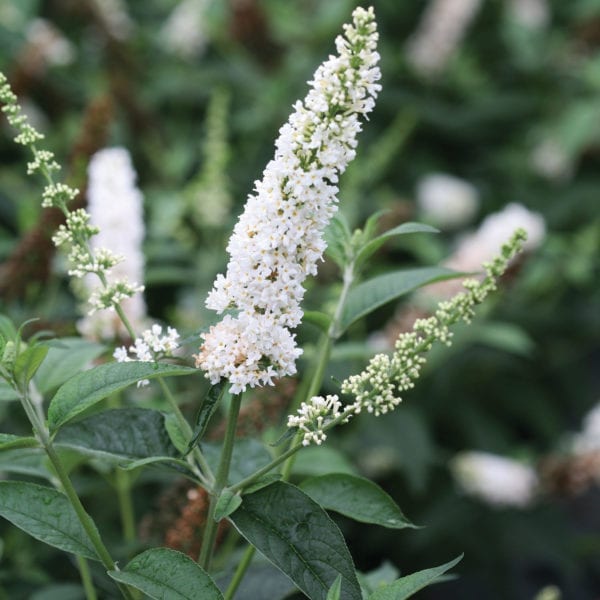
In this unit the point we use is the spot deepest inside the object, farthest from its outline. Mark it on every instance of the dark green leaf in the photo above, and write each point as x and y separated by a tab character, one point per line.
120	434
370	247
165	574
357	498
46	515
88	388
25	461
371	294
209	405
66	357
405	587
262	582
27	364
180	465
264	481
8	441
249	455
298	537
59	591
227	503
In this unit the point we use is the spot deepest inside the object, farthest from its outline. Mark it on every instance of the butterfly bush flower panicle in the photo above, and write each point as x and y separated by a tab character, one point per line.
278	240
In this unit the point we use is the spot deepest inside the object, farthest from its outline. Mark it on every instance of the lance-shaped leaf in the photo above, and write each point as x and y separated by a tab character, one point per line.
209	405
165	574
27	363
373	245
373	293
405	587
45	514
88	388
299	538
357	498
120	434
249	455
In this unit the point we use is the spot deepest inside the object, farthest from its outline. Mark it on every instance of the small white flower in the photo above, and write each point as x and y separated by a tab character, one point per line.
313	416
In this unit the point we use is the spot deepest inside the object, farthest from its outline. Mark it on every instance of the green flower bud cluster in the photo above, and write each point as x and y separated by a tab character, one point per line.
379	387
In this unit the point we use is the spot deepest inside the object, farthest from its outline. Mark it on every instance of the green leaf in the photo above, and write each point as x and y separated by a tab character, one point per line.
382	575
120	434
24	461
165	574
262	482
87	388
59	591
180	465
338	237
335	590
405	587
249	455
372	246
321	460
8	441
45	514
299	538
175	433
209	405
370	295
66	357
227	503
319	319
357	498
27	364
261	582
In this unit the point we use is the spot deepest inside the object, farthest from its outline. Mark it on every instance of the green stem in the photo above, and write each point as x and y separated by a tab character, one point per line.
123	485
208	476
86	578
84	518
239	573
210	531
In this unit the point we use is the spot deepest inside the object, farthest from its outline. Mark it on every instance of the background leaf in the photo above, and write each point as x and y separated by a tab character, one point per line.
27	364
375	292
248	456
357	498
166	574
88	388
8	441
45	514
297	536
405	587
66	357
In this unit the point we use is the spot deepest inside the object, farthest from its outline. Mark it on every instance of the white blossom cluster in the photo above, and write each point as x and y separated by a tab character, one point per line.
149	347
278	240
115	207
312	416
497	480
378	388
440	32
